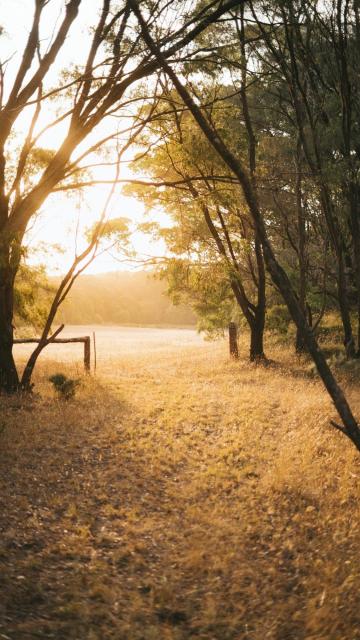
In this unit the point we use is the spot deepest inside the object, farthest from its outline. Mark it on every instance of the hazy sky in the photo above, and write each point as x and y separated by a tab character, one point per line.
61	215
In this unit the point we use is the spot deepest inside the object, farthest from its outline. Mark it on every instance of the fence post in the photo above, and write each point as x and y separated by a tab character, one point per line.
87	349
94	345
233	344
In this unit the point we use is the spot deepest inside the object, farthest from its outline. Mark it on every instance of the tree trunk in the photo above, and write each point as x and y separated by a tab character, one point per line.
9	379
354	192
254	315
302	261
258	325
349	342
350	428
300	346
233	343
29	368
257	340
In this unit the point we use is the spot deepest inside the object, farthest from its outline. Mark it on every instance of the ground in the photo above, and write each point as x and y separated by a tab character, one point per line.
179	495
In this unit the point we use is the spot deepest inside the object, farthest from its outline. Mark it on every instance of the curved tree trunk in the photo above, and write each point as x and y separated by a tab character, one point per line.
30	365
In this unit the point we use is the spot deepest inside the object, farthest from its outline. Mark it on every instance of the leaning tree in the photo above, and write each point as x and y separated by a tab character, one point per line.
246	177
86	105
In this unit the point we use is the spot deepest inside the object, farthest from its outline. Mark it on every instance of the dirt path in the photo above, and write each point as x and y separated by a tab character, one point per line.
179	497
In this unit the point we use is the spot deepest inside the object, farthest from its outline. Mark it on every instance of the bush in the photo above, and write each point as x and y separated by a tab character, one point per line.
64	386
278	318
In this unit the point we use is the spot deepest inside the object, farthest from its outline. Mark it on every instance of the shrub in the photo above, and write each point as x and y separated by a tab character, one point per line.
64	386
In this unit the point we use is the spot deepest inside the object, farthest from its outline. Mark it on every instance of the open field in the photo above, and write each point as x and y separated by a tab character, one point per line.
113	342
180	495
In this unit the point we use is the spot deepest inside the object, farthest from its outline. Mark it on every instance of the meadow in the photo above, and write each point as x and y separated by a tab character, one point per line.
179	495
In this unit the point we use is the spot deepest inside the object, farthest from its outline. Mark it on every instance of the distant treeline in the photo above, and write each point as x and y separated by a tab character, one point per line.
122	298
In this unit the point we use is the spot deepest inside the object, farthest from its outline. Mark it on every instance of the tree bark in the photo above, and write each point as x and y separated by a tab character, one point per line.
355	232
9	379
300	345
233	343
349	342
258	324
257	339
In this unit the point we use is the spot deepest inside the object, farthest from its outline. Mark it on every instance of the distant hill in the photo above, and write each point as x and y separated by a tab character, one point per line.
122	298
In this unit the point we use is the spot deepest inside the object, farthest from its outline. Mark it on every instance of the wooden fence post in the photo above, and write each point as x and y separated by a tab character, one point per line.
94	346
87	351
233	344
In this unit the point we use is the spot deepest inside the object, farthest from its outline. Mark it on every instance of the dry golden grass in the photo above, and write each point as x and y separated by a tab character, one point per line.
180	495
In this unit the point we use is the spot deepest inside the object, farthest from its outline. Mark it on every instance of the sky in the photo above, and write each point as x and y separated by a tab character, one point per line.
62	215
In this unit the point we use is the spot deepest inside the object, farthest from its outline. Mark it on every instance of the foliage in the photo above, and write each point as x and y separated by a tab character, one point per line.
198	271
115	231
278	318
32	297
111	75
64	386
205	290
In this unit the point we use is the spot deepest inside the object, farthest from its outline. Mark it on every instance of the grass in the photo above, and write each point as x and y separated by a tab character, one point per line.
180	495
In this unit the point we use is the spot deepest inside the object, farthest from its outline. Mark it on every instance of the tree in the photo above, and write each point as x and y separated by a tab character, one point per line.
311	49
92	99
32	297
242	172
212	229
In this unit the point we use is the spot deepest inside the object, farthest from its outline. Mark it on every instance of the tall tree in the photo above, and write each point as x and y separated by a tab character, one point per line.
311	49
210	216
90	100
242	172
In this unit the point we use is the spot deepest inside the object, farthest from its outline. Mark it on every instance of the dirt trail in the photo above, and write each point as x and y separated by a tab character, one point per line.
178	497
